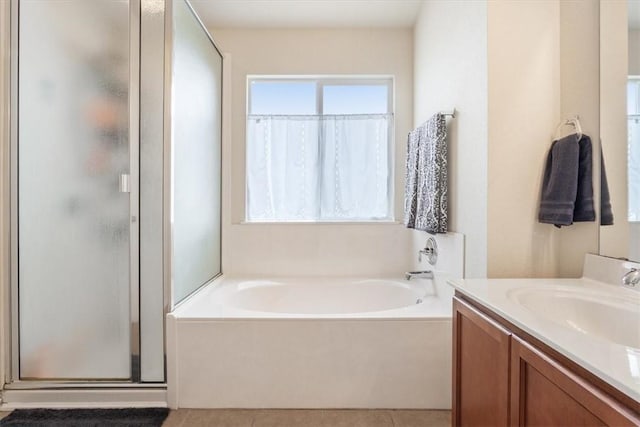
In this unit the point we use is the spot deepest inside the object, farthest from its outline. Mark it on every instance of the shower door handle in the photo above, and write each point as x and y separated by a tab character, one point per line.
125	185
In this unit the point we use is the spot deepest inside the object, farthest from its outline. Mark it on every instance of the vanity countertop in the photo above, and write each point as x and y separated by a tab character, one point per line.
543	308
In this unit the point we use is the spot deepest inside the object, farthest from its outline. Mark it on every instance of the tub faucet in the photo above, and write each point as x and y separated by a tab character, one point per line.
631	278
430	250
419	274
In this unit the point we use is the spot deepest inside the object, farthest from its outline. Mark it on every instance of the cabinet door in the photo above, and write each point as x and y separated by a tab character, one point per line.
544	393
481	369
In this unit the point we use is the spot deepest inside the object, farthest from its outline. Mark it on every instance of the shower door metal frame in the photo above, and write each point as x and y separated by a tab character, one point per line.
153	239
5	191
12	379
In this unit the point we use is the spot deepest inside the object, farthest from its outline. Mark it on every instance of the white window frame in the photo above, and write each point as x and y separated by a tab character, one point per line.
321	81
635	79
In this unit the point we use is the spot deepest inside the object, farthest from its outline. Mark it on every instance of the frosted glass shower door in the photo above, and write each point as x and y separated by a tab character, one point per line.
74	210
196	111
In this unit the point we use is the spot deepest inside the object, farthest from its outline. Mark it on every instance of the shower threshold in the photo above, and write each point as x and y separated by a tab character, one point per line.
36	394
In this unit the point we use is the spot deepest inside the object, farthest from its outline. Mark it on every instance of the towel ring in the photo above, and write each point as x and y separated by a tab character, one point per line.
575	122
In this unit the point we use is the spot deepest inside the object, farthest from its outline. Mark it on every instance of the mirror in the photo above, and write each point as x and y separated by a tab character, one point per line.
620	129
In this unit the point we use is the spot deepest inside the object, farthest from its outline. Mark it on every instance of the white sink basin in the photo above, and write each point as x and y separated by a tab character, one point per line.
591	312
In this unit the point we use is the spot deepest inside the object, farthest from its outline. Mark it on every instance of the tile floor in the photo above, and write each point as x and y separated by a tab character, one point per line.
307	418
304	418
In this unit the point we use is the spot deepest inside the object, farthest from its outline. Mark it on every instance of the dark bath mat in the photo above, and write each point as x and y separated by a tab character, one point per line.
128	417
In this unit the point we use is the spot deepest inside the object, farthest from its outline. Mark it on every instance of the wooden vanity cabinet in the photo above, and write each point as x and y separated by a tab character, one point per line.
481	369
502	379
545	393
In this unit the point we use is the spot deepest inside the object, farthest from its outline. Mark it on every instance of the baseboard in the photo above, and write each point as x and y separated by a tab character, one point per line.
88	398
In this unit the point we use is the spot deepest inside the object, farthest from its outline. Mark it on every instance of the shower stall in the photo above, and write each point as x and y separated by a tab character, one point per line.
111	138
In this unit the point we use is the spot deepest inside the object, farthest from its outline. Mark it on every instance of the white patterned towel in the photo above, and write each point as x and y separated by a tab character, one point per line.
425	199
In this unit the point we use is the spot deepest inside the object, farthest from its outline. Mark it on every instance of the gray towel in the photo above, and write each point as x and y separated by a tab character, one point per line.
425	204
411	178
567	187
606	211
584	209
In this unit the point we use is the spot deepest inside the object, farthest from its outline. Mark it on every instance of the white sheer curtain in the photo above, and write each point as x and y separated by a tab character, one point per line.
318	167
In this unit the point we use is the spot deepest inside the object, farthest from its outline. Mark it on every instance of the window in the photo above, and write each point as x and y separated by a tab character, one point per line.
319	149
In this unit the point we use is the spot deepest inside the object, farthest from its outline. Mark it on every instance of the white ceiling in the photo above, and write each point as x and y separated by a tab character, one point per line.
307	13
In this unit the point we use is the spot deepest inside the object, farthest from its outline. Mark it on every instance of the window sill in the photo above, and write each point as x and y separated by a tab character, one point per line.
382	222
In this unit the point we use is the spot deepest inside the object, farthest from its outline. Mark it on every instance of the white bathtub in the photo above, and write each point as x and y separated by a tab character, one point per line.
312	343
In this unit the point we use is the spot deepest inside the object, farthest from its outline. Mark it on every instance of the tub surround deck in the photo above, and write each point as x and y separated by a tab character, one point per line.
614	358
318	297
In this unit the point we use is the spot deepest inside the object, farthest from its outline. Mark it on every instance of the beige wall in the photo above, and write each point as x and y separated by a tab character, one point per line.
450	71
524	109
355	249
513	70
615	50
634	35
580	95
634	238
542	60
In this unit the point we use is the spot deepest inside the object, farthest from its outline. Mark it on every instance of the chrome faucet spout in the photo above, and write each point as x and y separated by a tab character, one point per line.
418	274
631	278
